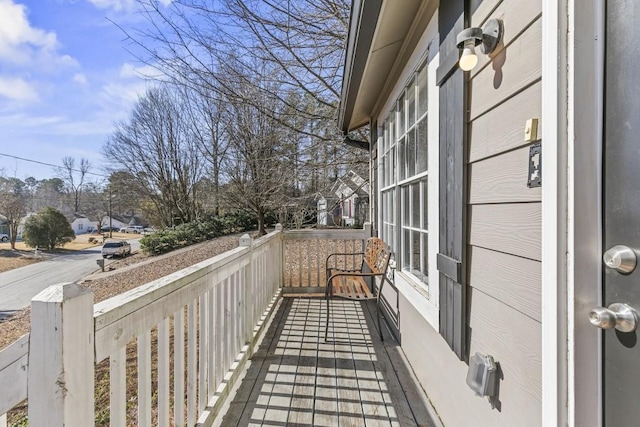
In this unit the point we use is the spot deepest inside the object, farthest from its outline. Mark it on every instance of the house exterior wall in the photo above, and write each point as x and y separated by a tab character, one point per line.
504	238
83	225
114	222
512	339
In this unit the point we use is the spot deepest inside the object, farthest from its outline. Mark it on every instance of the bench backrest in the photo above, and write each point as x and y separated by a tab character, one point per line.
376	255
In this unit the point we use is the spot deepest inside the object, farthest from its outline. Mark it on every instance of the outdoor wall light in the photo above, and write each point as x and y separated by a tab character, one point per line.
487	37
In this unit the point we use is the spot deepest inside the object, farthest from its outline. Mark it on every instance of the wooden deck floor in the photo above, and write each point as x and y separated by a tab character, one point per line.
297	379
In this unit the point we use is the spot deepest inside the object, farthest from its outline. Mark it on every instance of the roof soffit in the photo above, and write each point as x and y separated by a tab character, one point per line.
395	23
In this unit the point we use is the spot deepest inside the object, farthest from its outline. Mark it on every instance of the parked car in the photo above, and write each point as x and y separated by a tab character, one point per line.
149	230
134	229
106	229
112	248
4	237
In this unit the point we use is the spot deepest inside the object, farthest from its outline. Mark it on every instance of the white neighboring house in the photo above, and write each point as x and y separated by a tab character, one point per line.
80	224
114	222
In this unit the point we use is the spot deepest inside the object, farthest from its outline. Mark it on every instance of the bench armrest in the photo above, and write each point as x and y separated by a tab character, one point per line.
357	273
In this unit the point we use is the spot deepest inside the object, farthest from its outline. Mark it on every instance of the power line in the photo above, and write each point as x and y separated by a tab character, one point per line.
51	165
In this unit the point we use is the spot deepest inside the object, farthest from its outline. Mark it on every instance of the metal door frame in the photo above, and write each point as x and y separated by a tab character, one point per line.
586	107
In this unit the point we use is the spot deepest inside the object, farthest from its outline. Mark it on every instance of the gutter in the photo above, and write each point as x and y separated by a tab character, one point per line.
362	26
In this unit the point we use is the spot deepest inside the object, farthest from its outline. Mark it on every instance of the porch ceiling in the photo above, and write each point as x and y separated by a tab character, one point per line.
377	32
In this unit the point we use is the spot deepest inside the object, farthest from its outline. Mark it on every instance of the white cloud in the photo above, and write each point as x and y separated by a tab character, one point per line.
27	47
16	33
80	78
17	89
128	71
120	5
123	95
27	121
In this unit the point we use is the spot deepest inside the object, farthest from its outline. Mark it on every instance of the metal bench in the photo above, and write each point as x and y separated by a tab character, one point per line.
352	284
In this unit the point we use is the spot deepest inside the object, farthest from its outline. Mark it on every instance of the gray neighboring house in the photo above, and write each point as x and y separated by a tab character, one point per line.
346	203
499	189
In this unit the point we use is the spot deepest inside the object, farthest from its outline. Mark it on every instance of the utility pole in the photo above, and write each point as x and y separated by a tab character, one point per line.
110	220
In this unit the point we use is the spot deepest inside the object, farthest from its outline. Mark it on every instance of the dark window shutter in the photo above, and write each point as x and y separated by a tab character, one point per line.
452	251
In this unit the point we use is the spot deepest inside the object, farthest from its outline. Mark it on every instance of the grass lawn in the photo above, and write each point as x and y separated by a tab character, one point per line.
24	255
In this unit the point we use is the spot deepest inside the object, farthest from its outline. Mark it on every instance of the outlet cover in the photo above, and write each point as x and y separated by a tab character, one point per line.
535	166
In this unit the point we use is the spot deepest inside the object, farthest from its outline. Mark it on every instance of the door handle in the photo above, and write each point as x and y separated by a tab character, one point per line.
620	316
620	258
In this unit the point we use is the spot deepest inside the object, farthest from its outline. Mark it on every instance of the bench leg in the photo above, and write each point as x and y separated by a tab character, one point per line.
326	329
378	314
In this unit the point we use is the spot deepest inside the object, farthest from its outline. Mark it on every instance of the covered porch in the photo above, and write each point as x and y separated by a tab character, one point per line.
235	340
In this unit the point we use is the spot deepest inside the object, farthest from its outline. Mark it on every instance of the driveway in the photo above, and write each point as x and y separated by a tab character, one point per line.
19	286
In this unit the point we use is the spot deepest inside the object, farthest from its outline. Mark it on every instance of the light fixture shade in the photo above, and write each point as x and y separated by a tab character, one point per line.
468	59
487	38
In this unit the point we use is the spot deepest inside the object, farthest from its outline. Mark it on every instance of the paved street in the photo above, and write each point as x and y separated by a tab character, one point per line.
18	286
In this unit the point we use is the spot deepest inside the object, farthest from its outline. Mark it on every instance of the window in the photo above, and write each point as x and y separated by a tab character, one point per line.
404	177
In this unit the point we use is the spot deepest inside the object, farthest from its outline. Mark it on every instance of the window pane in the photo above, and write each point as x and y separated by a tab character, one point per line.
425	253
405	206
384	171
401	159
422	146
392	167
411	153
401	116
392	239
411	104
425	205
416	206
422	91
406	253
415	253
392	129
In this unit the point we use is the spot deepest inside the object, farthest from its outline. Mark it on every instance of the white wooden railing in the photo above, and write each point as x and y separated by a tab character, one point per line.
13	376
191	331
305	253
165	353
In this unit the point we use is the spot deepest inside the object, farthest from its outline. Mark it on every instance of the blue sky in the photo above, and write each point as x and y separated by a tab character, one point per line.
65	78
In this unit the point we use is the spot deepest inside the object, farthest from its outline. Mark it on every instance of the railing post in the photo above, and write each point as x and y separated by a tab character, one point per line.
246	292
368	229
280	230
61	357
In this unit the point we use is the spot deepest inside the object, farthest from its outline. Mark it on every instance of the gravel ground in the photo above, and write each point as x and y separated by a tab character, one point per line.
128	273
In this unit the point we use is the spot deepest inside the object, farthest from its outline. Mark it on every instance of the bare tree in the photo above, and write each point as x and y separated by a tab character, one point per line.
48	193
258	161
302	43
74	178
12	205
205	111
157	147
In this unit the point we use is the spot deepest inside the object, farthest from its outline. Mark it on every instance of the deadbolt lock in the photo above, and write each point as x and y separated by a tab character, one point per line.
620	258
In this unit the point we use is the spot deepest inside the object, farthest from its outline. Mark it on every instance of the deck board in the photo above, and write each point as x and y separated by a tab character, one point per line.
295	378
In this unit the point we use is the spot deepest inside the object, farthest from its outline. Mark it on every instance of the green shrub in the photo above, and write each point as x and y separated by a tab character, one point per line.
167	240
240	221
48	229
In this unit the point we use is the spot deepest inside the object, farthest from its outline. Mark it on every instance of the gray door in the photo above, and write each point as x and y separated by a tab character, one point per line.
621	204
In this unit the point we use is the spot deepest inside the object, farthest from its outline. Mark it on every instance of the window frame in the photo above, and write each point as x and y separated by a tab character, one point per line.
404	119
424	296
